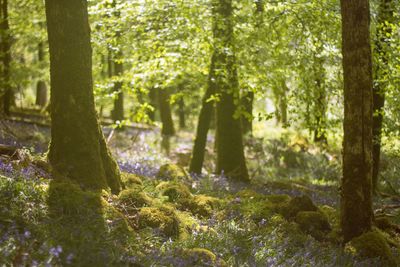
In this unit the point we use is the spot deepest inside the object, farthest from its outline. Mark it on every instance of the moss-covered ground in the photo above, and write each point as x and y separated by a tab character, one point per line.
287	216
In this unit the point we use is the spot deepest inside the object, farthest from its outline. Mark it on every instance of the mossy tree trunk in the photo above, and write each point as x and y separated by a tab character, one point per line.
281	106
78	149
181	109
41	88
384	31
230	152
356	195
6	90
203	125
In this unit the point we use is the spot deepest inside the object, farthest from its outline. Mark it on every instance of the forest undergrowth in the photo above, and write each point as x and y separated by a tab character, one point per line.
287	216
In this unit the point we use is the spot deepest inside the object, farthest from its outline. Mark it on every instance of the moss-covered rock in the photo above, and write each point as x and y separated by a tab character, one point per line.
162	218
314	223
131	180
297	204
174	190
135	198
278	199
172	172
200	257
201	205
373	245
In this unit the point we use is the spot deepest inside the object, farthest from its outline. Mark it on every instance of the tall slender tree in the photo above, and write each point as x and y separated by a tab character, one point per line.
356	195
78	149
6	90
203	125
41	88
381	70
230	153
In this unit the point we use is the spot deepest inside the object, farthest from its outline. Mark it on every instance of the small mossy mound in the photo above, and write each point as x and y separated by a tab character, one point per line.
201	205
200	257
131	180
278	199
297	204
384	223
172	172
248	193
314	223
77	216
135	198
161	218
174	190
373	245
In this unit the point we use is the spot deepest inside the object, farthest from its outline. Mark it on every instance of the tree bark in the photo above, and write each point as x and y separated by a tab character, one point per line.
230	152
41	88
118	111
165	113
356	195
6	58
247	120
78	149
386	10
321	105
203	125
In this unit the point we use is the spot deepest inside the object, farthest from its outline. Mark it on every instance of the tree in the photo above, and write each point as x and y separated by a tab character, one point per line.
356	196
5	57
204	121
230	152
41	88
78	149
384	32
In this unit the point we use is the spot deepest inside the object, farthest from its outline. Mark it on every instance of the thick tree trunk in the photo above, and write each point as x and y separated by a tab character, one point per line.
78	149
203	125
381	72
356	195
6	90
41	88
230	151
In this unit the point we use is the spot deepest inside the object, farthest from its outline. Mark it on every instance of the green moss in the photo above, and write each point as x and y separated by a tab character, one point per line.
174	190
135	198
373	245
200	257
297	204
278	199
131	180
162	218
248	193
314	223
172	172
383	223
201	205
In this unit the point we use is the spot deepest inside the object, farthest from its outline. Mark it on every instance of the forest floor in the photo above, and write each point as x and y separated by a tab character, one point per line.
287	216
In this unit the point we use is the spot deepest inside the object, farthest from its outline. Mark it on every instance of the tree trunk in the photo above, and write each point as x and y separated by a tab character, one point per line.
356	195
230	151
118	111
165	113
203	125
181	113
320	106
41	88
247	120
381	72
6	58
78	149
